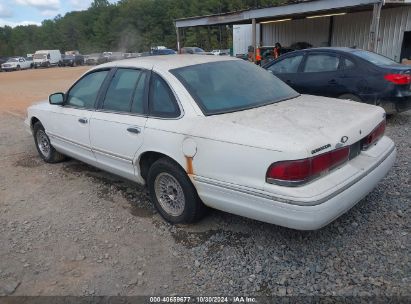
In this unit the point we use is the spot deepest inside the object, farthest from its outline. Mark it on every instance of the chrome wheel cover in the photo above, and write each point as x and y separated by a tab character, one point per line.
169	194
43	143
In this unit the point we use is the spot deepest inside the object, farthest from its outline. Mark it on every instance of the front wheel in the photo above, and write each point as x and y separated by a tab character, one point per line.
44	147
173	194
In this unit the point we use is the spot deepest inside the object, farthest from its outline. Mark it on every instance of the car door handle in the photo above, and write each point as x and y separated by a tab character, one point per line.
332	81
134	130
83	120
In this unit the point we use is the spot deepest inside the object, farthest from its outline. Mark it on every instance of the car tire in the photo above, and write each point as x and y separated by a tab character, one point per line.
173	193
350	97
44	147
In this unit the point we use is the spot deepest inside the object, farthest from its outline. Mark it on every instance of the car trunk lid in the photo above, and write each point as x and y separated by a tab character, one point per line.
307	123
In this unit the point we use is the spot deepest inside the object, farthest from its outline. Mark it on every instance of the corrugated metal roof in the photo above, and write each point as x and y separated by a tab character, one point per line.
286	8
285	2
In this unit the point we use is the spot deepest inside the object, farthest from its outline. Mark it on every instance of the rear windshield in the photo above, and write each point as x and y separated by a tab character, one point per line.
228	86
374	58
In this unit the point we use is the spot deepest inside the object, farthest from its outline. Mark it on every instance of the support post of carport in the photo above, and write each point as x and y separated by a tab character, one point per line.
178	39
254	37
375	26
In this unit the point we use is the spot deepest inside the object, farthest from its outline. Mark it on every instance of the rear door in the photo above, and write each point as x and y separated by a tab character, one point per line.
117	128
288	70
321	74
353	78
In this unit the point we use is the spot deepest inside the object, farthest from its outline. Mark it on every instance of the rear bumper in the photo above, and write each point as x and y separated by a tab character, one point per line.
302	217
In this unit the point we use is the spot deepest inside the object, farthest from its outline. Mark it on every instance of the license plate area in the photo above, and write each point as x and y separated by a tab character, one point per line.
355	150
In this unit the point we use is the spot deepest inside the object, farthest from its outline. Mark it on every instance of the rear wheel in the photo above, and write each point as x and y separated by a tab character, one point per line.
44	147
350	97
173	194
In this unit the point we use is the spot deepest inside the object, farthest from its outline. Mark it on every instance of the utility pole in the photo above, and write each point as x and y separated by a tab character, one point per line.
254	38
375	26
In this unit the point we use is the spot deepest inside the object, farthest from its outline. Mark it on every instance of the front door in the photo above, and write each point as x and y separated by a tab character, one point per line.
69	124
287	70
117	127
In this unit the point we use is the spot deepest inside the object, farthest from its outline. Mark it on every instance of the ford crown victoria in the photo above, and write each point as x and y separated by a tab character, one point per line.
219	132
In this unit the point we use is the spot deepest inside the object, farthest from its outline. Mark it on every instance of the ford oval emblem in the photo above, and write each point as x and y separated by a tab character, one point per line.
344	139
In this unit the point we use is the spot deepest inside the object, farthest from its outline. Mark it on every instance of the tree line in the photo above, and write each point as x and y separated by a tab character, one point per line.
128	26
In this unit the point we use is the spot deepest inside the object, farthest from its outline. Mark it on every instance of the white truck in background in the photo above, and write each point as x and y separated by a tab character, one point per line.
242	38
47	58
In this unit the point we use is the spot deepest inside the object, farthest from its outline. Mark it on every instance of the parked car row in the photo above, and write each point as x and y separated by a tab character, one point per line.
41	58
48	58
16	64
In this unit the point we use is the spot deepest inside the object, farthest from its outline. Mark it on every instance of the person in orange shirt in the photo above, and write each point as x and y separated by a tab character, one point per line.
277	50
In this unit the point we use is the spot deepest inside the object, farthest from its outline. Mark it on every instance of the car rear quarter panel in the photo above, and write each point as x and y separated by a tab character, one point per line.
214	159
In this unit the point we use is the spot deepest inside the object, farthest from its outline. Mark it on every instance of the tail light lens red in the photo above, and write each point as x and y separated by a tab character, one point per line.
375	135
301	171
297	172
400	79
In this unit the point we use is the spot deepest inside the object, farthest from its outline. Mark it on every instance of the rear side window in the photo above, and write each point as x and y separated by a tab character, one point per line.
348	64
161	101
120	91
287	65
84	93
139	97
321	63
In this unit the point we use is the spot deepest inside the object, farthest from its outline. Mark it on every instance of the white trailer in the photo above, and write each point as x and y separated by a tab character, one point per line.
243	38
47	58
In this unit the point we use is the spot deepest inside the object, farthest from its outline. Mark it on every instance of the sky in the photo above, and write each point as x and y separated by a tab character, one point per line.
23	12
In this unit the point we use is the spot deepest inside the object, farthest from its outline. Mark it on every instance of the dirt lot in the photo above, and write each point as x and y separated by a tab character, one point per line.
69	229
22	88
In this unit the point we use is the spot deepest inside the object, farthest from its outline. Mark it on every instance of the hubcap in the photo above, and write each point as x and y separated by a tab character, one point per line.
169	194
43	143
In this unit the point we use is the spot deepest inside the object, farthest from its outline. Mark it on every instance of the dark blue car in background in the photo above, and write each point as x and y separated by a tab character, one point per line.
163	52
347	73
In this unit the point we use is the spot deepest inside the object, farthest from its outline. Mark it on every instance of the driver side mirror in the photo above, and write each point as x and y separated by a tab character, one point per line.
56	98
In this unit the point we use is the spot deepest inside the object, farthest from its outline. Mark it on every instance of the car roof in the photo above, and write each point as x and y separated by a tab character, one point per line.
334	49
165	63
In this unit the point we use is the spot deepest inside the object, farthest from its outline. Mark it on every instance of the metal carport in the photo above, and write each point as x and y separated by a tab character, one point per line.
299	9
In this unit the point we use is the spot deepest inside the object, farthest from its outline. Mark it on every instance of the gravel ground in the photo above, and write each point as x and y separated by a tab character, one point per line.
70	229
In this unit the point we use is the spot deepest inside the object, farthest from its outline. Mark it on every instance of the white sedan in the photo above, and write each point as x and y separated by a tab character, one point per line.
16	64
219	132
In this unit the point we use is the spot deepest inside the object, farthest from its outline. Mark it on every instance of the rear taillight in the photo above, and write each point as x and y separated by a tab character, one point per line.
297	172
375	135
398	78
